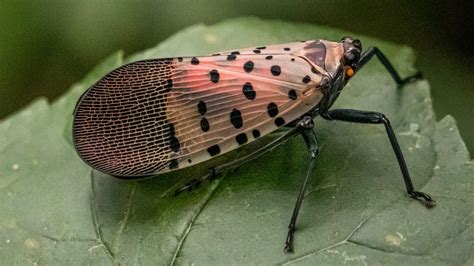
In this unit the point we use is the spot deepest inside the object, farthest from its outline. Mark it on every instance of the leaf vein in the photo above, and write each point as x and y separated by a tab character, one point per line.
193	219
95	221
343	242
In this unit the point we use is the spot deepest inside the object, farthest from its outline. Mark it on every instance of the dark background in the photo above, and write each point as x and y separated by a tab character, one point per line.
45	46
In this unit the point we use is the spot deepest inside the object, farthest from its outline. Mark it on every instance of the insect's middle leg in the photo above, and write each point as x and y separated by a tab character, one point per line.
367	117
369	54
307	125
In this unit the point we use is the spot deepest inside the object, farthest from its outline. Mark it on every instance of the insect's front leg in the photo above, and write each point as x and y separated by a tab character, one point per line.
369	54
367	117
307	130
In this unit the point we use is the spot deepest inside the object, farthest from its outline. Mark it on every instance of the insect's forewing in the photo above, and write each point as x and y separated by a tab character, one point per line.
153	116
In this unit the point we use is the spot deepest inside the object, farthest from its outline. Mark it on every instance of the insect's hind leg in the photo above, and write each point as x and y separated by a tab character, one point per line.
369	54
242	160
357	116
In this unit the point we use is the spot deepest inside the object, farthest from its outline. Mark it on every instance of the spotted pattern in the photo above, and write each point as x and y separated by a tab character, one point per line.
204	124
173	164
248	91
241	138
279	122
272	109
248	66
169	84
214	150
306	79
276	70
214	74
174	144
292	95
202	107
256	133
173	141
236	118
194	61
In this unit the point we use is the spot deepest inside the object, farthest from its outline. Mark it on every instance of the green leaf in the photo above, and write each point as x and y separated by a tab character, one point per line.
56	210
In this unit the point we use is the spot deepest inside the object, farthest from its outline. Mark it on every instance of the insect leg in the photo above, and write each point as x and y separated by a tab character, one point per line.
242	160
367	55
358	116
309	136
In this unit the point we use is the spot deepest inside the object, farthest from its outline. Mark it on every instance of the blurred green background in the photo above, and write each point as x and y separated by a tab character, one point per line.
45	46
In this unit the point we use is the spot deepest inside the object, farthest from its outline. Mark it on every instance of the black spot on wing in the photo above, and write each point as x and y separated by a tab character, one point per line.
236	118
194	61
292	94
173	164
249	91
241	138
306	79
272	109
248	66
174	144
169	84
279	122
276	70
214	150
173	141
214	74
204	124
202	108
256	133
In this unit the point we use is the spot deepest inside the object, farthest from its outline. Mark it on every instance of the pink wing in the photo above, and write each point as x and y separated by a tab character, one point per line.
153	116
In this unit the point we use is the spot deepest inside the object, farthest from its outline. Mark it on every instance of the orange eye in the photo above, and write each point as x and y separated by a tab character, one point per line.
350	72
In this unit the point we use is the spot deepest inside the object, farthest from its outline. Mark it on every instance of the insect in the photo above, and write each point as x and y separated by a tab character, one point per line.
154	116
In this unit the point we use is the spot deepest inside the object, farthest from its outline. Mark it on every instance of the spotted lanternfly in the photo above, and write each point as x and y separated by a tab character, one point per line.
154	116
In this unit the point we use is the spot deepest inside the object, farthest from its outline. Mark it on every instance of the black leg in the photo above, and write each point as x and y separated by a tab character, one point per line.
310	138
242	160
367	55
357	116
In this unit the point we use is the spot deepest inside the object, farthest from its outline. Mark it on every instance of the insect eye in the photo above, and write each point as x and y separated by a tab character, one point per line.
351	57
357	44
